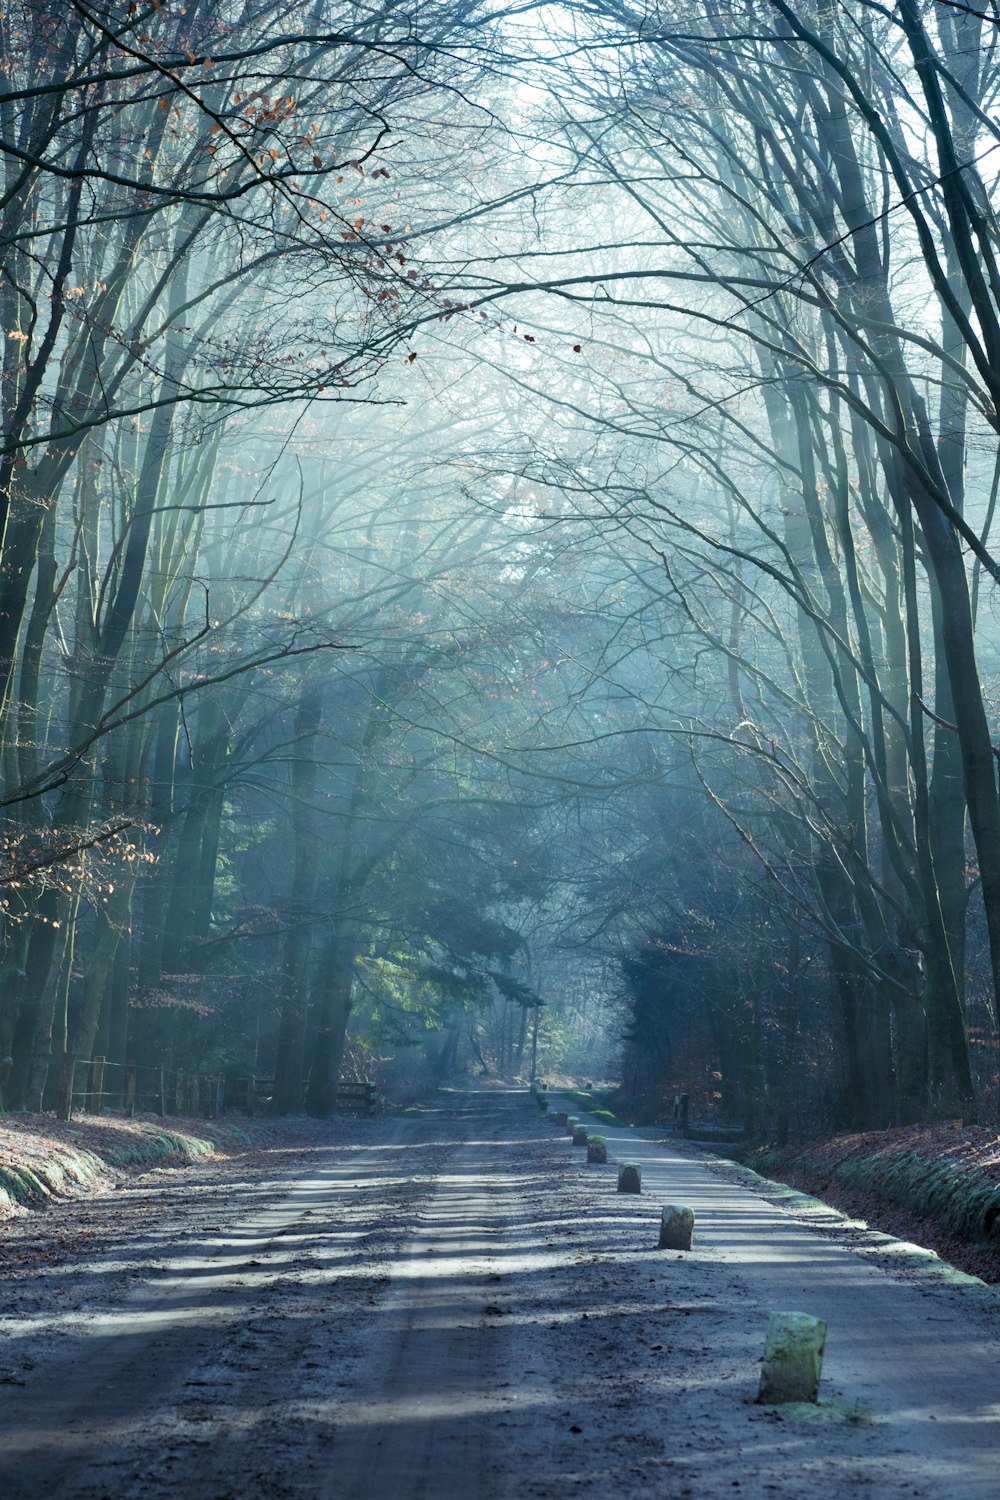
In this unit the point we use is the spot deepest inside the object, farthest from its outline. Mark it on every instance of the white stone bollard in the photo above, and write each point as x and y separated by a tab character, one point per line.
629	1177
793	1358
580	1135
676	1227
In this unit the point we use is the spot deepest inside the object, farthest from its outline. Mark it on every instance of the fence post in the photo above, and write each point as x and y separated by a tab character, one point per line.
194	1095
251	1095
130	1082
97	1085
64	1102
161	1093
179	1093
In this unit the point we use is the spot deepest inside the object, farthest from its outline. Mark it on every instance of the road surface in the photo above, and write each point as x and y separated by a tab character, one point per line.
453	1305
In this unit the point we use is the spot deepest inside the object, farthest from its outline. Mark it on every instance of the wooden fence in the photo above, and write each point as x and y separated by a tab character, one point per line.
358	1098
99	1086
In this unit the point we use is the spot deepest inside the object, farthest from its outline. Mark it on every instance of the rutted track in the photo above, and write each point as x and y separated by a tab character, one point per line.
455	1306
247	1333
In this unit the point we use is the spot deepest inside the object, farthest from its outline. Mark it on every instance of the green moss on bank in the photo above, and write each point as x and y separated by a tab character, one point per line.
41	1159
596	1102
951	1176
159	1146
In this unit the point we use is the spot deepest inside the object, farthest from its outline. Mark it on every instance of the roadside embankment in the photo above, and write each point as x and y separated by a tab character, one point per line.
42	1158
936	1185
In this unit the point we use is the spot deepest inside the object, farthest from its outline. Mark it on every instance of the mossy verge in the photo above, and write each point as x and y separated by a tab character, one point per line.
160	1145
39	1164
596	1102
947	1187
607	1118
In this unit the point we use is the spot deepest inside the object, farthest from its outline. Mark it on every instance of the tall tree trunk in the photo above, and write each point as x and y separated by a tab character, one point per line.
334	1009
289	1068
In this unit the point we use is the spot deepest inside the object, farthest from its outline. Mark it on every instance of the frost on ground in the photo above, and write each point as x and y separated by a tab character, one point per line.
937	1184
42	1157
457	1305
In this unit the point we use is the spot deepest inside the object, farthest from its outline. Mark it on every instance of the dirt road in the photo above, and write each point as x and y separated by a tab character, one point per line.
456	1305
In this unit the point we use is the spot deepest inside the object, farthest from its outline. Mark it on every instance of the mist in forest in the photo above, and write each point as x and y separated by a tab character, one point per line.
497	567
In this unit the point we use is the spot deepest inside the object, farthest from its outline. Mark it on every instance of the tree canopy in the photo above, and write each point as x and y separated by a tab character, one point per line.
496	548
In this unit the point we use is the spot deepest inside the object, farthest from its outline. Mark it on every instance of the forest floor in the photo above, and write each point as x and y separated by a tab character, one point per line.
454	1305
